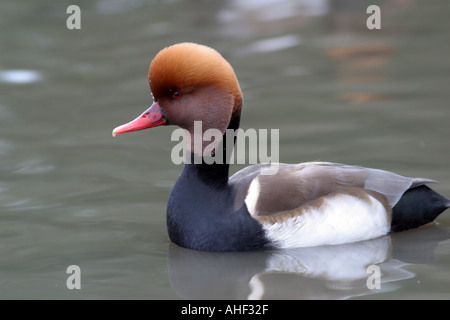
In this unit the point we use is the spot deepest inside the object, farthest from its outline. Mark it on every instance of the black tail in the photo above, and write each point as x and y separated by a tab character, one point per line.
417	207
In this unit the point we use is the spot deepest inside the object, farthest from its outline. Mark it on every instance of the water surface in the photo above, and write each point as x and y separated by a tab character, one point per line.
72	194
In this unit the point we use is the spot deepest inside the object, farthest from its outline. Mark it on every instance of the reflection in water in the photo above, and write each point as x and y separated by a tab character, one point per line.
269	45
247	19
19	76
326	272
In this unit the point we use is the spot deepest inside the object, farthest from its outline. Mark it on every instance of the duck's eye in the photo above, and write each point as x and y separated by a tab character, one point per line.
176	95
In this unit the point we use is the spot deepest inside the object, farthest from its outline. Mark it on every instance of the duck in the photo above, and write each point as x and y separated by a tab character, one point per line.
298	205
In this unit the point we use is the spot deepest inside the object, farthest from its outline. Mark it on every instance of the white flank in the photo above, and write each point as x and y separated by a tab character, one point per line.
341	219
252	196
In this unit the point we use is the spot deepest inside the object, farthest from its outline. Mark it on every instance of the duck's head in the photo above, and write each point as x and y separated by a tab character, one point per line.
189	82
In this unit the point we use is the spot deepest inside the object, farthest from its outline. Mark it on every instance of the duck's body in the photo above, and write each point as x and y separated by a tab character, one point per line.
307	204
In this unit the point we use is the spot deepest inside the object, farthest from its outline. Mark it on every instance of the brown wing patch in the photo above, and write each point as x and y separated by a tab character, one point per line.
294	186
319	204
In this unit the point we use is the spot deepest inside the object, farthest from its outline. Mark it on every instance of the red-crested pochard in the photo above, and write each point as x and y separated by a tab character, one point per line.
306	204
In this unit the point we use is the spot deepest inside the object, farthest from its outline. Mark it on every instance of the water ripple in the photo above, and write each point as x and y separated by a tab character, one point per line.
33	166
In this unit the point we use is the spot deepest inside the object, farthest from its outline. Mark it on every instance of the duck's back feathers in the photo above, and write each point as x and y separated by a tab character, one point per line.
294	185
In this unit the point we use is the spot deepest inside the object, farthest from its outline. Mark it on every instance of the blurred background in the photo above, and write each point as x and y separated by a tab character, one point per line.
337	91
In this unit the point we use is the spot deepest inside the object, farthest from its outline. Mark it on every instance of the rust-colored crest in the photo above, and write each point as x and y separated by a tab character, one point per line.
190	65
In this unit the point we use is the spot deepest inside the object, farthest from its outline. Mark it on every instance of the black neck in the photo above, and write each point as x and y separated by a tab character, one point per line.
215	174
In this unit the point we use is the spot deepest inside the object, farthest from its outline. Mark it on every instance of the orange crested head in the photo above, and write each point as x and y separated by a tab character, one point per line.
190	66
189	83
